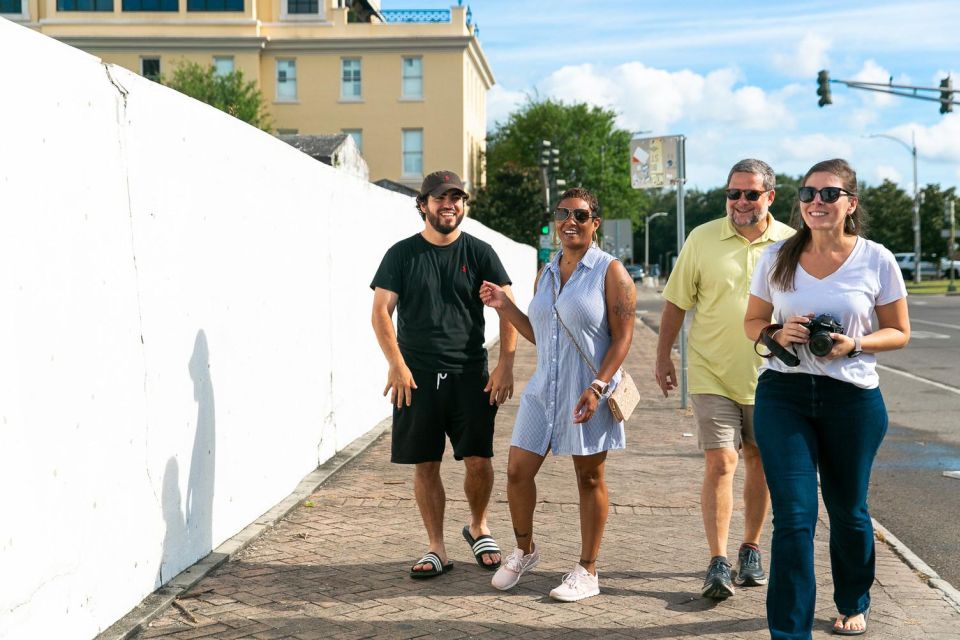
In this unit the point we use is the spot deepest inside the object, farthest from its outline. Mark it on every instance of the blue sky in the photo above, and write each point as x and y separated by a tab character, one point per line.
738	79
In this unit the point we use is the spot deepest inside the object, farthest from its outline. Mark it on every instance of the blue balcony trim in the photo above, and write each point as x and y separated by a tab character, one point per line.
416	15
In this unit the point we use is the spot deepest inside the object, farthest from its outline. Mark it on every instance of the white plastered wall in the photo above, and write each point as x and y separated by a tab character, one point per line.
184	332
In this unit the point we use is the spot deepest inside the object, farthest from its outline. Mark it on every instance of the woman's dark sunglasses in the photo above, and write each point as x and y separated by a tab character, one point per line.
827	194
580	215
750	194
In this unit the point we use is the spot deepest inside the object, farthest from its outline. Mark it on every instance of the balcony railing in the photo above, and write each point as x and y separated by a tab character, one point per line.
416	15
425	16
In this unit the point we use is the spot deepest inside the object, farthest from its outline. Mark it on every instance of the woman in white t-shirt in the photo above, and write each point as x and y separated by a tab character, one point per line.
824	413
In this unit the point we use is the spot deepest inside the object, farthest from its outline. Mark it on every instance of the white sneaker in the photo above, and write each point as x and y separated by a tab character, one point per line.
577	585
508	575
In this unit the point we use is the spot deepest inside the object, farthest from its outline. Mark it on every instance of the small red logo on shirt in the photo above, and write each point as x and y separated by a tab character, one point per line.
463	268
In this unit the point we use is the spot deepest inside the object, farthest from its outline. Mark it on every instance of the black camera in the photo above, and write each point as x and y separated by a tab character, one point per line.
820	329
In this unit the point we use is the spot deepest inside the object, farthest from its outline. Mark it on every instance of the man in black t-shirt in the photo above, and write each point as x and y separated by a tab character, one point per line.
438	376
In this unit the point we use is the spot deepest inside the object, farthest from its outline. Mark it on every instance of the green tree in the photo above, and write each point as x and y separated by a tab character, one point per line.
230	93
594	153
932	221
889	215
512	203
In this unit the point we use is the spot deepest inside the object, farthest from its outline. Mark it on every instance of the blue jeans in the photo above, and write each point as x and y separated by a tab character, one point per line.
805	423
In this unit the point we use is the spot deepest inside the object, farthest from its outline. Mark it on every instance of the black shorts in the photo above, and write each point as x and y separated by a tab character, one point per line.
444	405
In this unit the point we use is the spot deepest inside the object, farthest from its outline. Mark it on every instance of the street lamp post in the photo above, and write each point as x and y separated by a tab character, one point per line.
646	240
912	148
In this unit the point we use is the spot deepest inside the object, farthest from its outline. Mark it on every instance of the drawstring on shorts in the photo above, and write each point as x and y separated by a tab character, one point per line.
440	376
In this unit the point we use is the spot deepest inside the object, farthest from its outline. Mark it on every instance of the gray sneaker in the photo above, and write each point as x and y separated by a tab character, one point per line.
516	564
749	568
718	584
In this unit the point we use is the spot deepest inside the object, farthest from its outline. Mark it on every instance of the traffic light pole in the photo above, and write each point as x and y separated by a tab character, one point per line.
945	92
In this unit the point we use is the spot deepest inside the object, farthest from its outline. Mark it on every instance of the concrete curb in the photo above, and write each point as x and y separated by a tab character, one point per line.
927	574
135	622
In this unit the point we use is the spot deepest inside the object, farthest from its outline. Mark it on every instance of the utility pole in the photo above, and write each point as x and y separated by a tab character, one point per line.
951	243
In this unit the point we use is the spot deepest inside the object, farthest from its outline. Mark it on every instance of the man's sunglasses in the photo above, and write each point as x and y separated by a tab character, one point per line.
580	215
827	194
750	194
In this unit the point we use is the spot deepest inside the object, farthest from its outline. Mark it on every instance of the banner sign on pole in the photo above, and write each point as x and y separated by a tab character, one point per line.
653	162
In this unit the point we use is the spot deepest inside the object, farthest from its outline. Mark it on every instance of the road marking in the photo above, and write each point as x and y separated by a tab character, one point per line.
934	383
952	474
928	335
936	324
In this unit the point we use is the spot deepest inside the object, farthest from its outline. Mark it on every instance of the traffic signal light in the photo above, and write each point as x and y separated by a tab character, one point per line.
545	226
823	87
946	95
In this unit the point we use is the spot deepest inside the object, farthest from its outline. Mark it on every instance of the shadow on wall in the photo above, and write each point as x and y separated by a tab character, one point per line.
189	534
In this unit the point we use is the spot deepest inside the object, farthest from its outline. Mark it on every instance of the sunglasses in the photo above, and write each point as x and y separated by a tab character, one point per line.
827	194
750	194
580	215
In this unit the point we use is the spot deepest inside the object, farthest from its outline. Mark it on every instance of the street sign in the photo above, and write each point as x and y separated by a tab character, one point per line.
653	162
617	238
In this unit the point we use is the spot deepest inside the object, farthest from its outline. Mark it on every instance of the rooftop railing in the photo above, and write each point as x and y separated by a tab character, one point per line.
424	16
416	15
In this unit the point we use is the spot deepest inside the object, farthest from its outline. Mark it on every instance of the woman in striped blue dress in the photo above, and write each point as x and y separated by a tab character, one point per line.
581	319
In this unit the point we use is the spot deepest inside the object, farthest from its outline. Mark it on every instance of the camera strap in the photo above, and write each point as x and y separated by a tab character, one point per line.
766	335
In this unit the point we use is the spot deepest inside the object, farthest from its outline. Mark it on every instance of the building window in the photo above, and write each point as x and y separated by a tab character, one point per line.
357	135
286	80
302	6
223	66
214	5
84	5
11	6
151	5
413	152
150	68
412	78
350	79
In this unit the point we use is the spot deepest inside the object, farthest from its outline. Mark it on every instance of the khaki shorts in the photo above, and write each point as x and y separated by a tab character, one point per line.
722	423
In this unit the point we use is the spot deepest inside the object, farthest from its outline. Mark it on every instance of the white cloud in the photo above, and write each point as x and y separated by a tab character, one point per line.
654	99
501	102
937	142
809	57
816	145
873	72
885	172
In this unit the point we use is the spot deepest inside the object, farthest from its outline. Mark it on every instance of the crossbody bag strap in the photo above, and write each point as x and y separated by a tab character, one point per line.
572	339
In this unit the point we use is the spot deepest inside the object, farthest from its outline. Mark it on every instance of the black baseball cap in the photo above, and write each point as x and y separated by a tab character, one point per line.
439	182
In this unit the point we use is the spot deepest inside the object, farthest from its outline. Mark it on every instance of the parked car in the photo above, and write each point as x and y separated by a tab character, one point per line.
907	264
636	271
946	266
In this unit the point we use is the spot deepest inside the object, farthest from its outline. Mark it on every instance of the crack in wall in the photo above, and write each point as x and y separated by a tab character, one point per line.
124	162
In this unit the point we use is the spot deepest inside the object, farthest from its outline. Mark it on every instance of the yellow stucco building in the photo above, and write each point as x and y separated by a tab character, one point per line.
409	86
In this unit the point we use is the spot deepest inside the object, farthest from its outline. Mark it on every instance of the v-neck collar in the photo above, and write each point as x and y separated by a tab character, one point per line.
843	265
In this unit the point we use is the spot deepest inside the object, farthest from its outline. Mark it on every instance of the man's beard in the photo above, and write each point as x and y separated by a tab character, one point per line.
443	227
755	217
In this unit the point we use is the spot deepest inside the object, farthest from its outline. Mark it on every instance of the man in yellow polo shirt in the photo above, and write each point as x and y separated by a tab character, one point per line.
713	274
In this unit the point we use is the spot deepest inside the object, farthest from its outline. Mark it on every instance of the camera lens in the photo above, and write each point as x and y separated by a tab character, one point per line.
820	343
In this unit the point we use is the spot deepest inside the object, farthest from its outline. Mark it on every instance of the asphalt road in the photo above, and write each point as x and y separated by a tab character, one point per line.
909	494
921	387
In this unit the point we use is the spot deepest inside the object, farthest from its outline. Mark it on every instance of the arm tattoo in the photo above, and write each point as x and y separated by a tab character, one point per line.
622	307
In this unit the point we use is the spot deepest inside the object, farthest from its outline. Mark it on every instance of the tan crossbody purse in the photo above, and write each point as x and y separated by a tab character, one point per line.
625	397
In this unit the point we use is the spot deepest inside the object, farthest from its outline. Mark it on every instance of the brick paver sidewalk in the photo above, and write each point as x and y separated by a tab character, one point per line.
338	569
